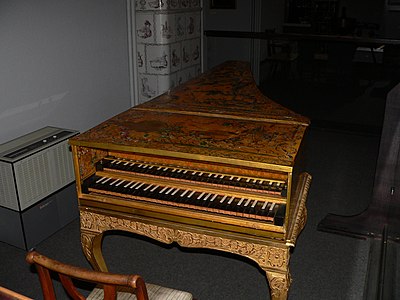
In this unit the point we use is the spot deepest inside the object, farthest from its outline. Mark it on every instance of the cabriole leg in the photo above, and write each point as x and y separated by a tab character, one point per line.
91	245
279	284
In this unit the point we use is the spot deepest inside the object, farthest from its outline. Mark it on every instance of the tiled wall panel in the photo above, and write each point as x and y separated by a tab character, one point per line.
168	37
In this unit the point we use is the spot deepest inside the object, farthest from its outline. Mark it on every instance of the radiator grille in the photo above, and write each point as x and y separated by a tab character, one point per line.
41	167
8	193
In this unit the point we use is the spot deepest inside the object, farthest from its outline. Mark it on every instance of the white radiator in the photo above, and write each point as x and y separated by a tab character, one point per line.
34	166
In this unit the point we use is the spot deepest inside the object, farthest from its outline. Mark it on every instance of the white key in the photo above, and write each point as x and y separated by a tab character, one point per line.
213	198
231	200
175	191
264	205
100	179
116	180
191	194
154	188
128	184
254	204
201	195
272	207
169	191
133	186
223	199
206	197
163	190
119	183
240	201
184	193
147	187
139	186
247	203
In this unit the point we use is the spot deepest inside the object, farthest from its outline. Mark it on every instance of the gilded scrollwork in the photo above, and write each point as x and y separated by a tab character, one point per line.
87	157
279	284
87	244
100	223
265	255
277	257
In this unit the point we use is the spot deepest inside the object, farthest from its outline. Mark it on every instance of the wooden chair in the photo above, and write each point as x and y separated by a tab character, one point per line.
109	285
6	294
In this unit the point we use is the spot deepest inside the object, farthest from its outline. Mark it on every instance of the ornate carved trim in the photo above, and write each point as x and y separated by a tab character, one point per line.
87	244
267	257
279	284
301	213
87	157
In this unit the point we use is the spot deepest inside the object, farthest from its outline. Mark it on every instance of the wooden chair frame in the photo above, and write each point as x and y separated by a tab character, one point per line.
66	273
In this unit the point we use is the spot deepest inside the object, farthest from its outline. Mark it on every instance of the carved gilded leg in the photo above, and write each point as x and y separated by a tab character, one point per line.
279	284
91	245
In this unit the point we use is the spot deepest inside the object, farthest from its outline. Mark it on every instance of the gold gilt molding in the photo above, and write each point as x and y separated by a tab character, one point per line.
266	256
87	244
279	284
301	212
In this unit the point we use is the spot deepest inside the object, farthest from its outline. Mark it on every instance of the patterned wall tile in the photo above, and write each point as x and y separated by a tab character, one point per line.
186	54
168	44
195	53
145	28
180	24
147	87
166	82
158	59
165	28
176	57
141	58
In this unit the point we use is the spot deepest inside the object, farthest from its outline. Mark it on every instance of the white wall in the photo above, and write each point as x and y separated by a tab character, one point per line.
63	63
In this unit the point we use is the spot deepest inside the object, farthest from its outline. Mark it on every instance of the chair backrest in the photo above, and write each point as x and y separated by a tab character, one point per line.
6	294
109	281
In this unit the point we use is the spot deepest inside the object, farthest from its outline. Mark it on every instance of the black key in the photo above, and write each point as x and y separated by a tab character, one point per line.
280	215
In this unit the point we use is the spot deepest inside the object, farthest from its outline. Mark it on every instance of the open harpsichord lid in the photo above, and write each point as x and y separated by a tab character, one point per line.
220	116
